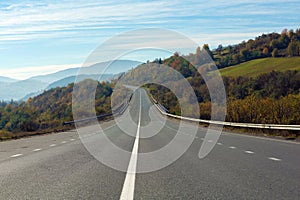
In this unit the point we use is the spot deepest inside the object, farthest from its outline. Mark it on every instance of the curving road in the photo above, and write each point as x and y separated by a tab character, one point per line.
58	166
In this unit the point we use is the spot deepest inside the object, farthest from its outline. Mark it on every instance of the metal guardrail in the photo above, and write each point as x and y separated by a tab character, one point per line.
164	111
119	110
87	119
243	125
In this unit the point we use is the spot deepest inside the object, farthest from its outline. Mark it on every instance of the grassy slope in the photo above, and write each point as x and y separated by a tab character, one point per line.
259	66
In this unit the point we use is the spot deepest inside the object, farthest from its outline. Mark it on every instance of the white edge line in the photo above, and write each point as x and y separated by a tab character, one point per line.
260	137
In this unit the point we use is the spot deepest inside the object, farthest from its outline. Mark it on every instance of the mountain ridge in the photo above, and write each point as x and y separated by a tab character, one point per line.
4	79
23	89
121	65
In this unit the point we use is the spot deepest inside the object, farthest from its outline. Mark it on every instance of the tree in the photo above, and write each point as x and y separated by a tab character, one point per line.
293	49
284	32
245	54
230	48
275	53
198	51
159	61
206	48
235	58
284	41
265	51
274	44
219	49
291	34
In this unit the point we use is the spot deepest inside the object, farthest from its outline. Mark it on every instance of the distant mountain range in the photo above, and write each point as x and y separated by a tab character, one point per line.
22	90
17	90
4	79
71	79
114	68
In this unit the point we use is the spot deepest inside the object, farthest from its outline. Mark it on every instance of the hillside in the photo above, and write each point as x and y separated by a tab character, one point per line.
257	67
271	45
286	44
259	91
47	111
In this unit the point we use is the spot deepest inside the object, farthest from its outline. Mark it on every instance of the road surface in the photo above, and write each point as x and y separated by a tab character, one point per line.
58	166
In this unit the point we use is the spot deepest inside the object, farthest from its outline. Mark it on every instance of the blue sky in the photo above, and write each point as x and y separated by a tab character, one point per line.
39	37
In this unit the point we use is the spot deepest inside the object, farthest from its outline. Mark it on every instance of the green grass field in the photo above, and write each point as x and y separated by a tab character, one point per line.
259	66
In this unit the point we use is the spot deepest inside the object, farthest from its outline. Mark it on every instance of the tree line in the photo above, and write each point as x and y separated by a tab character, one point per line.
286	44
47	111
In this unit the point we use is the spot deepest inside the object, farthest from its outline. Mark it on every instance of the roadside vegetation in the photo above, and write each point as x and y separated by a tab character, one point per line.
268	98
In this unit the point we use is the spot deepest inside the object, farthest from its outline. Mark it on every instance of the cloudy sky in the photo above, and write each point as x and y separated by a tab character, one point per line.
38	37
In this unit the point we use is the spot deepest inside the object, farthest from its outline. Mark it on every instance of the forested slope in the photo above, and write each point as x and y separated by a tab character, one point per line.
47	111
270	97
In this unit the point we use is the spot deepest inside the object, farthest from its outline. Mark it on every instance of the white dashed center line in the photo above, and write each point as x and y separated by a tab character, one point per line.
219	143
63	142
129	183
275	159
52	145
16	155
249	152
37	150
72	139
232	147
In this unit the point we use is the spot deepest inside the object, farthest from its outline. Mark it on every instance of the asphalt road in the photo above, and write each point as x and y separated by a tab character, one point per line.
58	166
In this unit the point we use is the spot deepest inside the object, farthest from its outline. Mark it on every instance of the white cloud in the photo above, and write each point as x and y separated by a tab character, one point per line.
45	18
89	22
